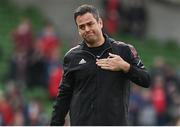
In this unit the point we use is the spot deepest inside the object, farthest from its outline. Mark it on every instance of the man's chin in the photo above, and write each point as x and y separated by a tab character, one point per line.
90	40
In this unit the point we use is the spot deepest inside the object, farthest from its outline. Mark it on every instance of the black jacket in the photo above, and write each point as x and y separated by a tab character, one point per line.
95	96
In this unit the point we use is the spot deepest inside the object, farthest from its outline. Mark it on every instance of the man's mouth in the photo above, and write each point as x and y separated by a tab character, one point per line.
89	34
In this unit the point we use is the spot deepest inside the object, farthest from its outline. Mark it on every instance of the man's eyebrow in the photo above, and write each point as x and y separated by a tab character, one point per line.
86	23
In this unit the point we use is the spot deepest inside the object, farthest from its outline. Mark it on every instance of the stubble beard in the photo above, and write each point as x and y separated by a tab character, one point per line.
91	42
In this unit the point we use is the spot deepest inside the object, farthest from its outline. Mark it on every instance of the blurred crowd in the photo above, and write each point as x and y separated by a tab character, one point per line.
16	110
36	62
36	59
160	104
125	17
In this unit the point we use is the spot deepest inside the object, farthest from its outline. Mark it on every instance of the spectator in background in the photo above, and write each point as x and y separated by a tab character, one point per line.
34	110
174	108
48	41
36	115
110	5
6	112
137	18
55	74
112	20
147	114
135	105
37	69
15	111
158	67
19	119
171	77
17	102
159	100
165	90
22	38
129	17
46	44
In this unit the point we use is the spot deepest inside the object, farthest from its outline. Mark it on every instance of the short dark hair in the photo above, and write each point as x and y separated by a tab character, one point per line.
83	9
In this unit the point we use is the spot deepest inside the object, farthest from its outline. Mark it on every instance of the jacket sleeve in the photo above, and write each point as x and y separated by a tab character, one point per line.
137	72
63	99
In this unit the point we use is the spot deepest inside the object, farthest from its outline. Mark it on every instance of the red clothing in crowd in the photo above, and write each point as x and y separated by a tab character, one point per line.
112	5
48	45
23	41
6	113
111	25
159	100
54	81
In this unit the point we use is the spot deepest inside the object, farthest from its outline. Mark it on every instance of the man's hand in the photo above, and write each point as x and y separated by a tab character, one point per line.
113	63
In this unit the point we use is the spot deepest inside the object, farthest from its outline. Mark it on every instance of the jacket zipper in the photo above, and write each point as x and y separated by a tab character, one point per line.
96	89
104	52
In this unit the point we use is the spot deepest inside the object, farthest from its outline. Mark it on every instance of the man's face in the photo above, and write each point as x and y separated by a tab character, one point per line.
89	28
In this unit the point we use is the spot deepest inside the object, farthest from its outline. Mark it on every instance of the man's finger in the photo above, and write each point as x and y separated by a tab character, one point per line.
102	63
106	68
112	55
101	59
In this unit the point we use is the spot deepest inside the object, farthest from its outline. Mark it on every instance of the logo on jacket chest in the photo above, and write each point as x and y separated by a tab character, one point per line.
82	61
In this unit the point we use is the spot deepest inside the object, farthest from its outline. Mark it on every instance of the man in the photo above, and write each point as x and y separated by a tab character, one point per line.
97	75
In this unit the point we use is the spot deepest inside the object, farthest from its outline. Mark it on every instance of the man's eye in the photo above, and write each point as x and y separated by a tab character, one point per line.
82	27
90	24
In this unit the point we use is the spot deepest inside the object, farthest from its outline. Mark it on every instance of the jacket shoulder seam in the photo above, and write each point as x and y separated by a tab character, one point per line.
72	49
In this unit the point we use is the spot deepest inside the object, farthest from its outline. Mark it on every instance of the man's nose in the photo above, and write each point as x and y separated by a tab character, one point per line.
87	28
